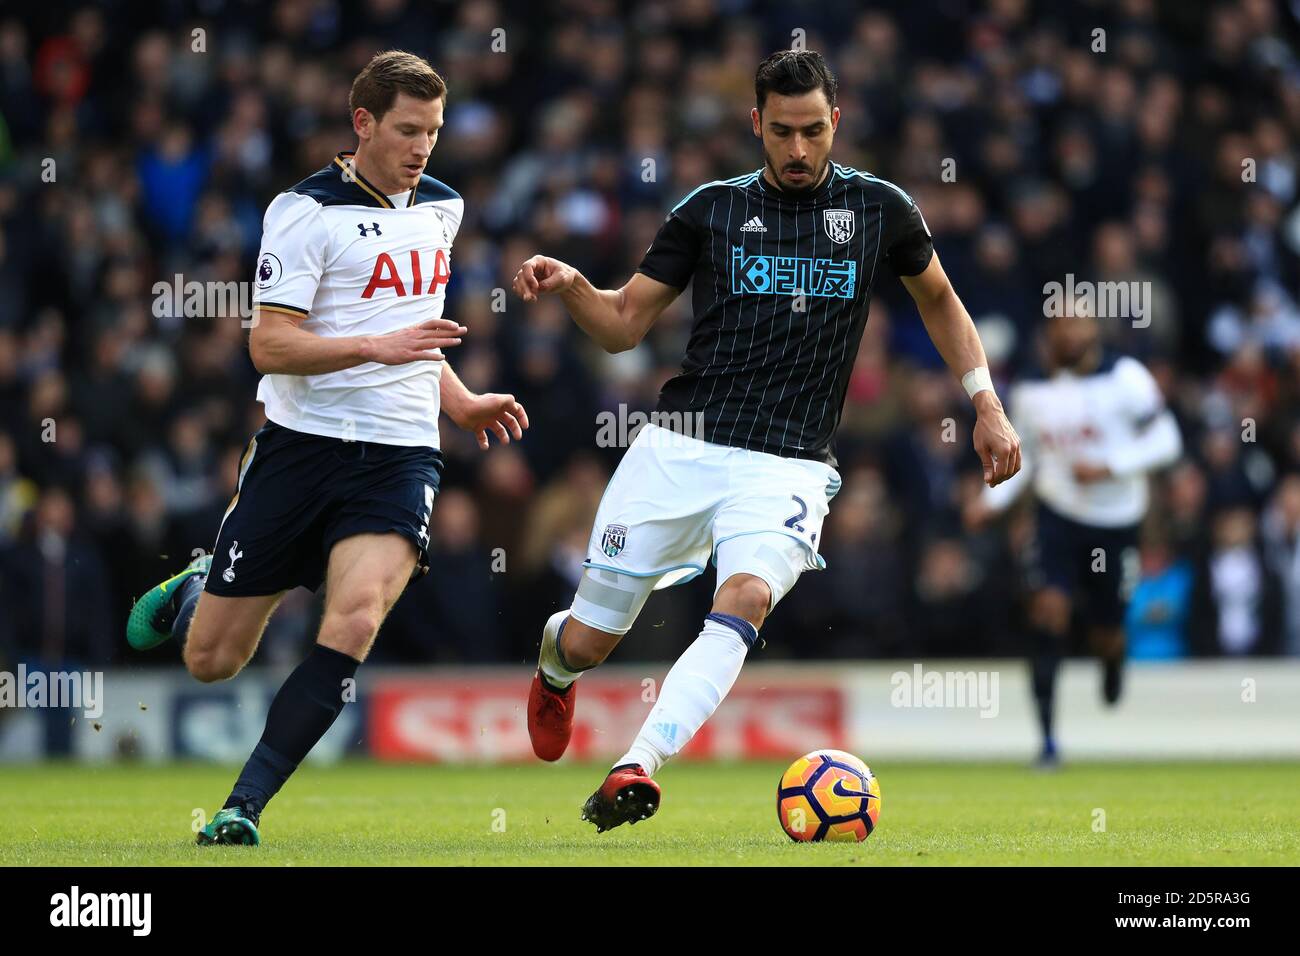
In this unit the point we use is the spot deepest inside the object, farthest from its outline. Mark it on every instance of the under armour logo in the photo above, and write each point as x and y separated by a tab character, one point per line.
228	575
373	226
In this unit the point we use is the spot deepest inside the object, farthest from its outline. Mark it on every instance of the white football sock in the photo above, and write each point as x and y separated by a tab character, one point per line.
552	664
692	691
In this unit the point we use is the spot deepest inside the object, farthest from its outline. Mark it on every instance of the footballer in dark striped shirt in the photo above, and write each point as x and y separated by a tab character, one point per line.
737	463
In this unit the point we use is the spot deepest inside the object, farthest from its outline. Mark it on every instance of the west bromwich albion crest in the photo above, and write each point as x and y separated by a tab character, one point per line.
613	540
839	224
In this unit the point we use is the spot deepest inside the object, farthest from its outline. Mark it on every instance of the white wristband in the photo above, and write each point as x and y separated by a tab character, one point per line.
977	380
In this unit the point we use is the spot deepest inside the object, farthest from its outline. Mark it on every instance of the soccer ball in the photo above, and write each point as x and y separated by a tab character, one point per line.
828	795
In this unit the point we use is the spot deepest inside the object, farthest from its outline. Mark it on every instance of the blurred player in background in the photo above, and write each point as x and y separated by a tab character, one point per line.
737	464
1093	426
339	484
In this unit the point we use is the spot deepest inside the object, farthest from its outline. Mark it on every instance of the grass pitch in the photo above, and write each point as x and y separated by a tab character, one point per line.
362	813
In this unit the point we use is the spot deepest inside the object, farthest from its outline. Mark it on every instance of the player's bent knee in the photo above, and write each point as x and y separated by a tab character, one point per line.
755	571
584	646
746	596
352	620
208	665
204	656
351	632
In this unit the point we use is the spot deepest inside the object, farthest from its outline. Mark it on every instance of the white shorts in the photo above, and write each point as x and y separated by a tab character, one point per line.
675	502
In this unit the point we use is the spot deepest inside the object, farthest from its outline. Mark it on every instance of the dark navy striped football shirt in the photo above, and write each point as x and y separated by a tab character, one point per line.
782	285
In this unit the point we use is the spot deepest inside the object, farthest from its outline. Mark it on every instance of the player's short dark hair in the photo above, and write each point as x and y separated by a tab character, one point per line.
791	72
390	73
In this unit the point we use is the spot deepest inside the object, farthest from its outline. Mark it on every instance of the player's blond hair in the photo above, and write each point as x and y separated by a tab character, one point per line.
390	73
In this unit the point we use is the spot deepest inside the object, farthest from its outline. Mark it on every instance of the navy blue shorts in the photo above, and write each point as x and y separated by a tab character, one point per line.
1095	565
300	494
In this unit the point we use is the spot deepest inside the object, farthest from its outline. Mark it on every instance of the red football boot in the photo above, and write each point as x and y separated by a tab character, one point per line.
550	712
628	795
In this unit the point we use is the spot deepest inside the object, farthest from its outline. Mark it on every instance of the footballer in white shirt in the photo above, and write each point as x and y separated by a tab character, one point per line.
1092	429
339	484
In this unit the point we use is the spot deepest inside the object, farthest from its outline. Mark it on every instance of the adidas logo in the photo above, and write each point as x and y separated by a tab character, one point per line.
754	225
668	731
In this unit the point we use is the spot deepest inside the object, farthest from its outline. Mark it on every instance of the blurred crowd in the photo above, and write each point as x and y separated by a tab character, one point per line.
1114	140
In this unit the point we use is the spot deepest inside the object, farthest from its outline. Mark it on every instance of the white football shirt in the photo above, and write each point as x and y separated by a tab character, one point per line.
356	262
1114	416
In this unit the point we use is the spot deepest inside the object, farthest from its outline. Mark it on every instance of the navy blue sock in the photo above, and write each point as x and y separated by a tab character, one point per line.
304	707
191	589
1044	662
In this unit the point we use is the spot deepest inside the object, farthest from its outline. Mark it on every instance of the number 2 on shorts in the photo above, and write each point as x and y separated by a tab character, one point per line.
793	520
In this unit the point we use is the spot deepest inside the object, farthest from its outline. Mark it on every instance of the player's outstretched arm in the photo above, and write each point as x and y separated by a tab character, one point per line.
953	333
278	344
616	319
499	414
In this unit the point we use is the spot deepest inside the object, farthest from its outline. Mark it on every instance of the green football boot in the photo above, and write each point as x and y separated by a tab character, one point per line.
151	617
230	827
